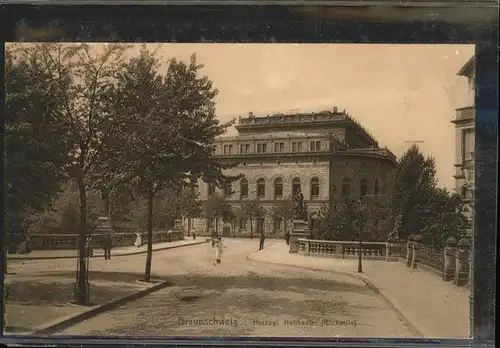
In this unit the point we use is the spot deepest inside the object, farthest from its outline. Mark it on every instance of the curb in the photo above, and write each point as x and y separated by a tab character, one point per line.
116	255
79	317
417	332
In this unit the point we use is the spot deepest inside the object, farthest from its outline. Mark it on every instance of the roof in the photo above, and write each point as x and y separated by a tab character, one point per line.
468	67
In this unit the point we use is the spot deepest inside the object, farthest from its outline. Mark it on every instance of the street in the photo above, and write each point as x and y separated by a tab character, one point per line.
239	297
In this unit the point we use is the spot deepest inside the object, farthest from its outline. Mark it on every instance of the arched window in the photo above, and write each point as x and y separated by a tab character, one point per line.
363	187
295	186
314	188
228	189
278	188
376	185
261	188
346	187
243	188
211	189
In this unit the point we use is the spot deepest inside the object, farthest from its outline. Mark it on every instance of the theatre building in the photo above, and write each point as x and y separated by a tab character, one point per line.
327	155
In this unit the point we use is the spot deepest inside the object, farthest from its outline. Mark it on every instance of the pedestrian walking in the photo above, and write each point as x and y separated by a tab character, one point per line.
218	251
106	245
262	238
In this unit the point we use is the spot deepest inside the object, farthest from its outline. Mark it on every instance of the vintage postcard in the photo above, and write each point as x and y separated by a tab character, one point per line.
258	190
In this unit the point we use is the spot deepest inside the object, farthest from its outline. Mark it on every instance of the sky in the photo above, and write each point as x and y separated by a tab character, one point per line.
400	93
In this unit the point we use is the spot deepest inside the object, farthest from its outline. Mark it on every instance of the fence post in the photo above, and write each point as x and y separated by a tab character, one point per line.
308	248
409	250
416	246
449	259
462	259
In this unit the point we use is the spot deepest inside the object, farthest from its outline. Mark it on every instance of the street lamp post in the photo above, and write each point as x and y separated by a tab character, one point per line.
469	176
360	230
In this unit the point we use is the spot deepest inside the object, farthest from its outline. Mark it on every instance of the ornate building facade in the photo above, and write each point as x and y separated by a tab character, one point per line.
465	138
328	156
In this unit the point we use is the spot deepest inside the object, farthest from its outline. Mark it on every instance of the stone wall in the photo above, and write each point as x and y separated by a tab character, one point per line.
70	241
358	167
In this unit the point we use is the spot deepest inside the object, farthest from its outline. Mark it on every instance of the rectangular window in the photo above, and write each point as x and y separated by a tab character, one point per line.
299	146
468	144
261	148
294	147
228	149
242	148
315	145
247	148
279	147
243	224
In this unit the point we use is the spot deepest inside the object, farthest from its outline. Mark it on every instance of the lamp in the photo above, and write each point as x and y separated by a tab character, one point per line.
361	226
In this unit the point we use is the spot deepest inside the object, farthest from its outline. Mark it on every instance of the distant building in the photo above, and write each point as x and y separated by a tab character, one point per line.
465	136
327	155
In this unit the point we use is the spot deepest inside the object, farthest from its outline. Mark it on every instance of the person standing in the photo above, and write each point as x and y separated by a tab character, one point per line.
218	251
138	239
106	245
262	238
88	247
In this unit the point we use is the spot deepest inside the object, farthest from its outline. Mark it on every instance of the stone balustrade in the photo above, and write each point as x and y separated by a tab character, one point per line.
120	239
451	263
344	250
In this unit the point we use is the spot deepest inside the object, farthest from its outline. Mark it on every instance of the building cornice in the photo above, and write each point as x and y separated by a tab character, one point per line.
325	155
463	121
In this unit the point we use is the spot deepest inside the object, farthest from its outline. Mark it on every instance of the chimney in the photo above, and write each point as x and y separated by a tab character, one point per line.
334	109
250	114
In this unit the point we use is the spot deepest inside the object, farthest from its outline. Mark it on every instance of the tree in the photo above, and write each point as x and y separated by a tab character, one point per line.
284	209
216	207
164	132
252	210
445	218
336	222
190	205
35	143
82	79
414	182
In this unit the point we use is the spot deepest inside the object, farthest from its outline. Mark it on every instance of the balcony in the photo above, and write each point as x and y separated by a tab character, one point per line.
465	115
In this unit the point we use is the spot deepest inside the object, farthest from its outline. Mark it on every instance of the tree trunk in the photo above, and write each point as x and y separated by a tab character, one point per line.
217	226
251	228
189	225
149	256
5	271
81	296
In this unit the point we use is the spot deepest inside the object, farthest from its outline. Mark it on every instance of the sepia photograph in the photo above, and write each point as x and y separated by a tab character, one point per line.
256	190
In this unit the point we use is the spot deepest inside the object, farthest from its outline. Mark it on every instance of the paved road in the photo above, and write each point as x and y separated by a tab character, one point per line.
245	298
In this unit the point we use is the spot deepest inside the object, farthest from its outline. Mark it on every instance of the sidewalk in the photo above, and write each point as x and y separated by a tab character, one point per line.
119	251
436	308
36	301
